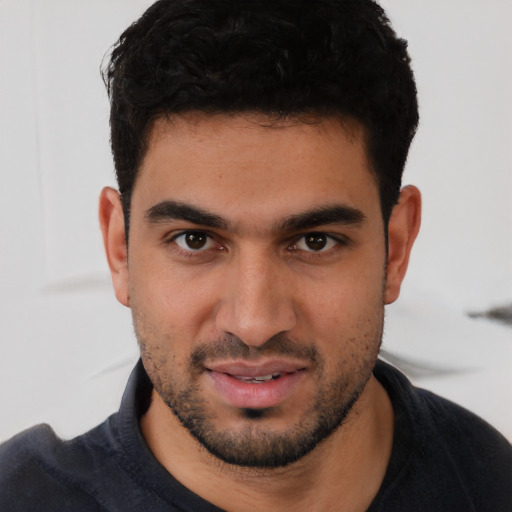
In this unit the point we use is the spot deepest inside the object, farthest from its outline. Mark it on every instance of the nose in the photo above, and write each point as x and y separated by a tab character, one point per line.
257	299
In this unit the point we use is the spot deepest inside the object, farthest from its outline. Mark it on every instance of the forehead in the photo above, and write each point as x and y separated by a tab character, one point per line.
245	164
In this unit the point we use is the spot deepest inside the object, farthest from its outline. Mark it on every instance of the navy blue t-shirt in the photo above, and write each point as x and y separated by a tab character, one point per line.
444	459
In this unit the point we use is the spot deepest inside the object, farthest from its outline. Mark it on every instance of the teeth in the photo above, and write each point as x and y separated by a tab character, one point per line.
258	379
264	377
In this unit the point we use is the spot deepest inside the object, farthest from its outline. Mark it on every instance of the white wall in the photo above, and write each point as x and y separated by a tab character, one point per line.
462	161
67	346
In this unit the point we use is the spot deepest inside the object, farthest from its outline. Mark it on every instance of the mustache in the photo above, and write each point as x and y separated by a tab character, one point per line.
232	347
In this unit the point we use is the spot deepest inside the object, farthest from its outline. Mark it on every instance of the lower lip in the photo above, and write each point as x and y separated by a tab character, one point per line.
245	395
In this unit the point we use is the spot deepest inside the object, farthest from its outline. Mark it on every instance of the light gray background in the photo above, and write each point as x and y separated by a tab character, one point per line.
67	347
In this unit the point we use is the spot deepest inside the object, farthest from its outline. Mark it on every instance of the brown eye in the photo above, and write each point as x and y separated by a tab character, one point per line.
315	242
194	241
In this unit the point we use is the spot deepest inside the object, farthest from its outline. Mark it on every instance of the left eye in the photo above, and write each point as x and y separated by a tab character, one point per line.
194	241
315	242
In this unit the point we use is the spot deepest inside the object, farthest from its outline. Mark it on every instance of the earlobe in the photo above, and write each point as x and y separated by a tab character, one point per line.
113	230
403	228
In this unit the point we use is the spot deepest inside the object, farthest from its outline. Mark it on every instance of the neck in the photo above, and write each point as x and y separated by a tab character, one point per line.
344	472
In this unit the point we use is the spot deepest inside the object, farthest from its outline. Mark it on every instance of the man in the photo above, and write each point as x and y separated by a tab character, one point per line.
258	232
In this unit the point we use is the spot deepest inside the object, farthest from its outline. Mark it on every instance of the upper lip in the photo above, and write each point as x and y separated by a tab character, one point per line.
254	369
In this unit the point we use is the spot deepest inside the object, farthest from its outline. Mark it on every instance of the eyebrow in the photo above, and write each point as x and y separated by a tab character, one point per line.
166	211
172	210
330	214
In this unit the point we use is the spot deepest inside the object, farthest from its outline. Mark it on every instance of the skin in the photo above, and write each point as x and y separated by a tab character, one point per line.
255	283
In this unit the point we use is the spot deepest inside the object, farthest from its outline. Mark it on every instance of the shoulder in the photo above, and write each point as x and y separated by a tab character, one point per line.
476	447
450	451
477	457
38	471
454	426
26	453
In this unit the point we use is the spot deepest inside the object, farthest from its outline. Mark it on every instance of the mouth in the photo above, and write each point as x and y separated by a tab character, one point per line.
258	379
256	386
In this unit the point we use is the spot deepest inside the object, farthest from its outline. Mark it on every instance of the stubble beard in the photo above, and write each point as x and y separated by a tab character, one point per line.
253	445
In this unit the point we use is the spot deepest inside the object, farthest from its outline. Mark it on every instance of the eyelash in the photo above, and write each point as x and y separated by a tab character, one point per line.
339	242
190	253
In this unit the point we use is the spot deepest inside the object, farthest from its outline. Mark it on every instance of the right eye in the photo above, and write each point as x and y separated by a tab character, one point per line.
194	241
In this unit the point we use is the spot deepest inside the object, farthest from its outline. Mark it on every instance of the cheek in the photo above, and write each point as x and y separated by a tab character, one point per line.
346	321
169	304
347	299
351	335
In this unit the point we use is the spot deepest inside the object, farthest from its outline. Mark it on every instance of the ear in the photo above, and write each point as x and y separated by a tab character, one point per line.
403	228
113	231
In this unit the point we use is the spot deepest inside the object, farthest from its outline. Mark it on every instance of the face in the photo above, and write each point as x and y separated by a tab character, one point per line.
256	273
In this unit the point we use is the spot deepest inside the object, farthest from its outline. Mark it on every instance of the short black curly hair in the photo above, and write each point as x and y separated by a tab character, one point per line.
283	58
